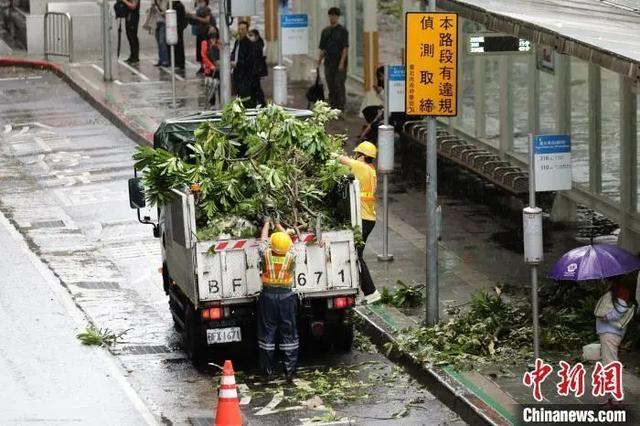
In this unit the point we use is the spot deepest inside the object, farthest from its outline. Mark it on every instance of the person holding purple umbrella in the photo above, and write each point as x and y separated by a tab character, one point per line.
613	313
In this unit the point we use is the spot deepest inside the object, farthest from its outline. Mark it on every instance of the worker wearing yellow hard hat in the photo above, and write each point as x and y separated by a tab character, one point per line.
365	171
277	304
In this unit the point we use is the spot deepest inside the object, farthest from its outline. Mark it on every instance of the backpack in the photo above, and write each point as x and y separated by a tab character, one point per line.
316	92
120	9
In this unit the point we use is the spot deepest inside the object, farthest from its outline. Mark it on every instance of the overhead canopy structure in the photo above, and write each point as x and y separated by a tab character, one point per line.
605	33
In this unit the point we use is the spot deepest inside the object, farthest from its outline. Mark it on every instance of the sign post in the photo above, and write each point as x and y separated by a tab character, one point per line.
225	54
549	170
386	139
106	40
431	90
171	27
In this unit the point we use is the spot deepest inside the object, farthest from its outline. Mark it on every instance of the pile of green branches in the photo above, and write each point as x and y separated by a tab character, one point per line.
403	296
497	330
248	166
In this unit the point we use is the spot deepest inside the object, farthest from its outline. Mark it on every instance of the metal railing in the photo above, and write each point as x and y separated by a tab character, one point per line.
58	35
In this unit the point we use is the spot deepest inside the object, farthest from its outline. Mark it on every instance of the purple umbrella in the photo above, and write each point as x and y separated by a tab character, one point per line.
594	262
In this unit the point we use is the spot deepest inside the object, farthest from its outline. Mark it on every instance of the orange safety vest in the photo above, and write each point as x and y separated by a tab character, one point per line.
277	269
368	192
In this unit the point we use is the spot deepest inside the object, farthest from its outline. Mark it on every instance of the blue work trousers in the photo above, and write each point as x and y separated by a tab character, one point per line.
277	312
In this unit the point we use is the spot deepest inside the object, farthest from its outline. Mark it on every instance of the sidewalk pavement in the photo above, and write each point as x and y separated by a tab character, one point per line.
480	245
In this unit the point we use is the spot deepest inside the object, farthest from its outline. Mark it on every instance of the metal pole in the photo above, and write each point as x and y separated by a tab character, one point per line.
280	71
432	205
279	14
106	41
173	76
386	95
383	131
225	56
534	268
70	34
173	67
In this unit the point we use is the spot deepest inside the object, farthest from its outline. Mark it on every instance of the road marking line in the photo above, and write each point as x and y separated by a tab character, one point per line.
35	123
118	82
191	65
74	311
168	71
100	70
245	394
34	77
42	144
133	70
90	83
278	397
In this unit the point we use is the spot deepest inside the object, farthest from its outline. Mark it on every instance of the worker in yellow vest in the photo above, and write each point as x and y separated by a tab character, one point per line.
365	171
277	304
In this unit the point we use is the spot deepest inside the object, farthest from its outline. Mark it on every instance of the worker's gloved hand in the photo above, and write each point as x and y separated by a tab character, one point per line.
266	219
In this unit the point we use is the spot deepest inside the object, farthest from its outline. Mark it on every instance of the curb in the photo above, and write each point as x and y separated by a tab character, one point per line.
116	118
443	385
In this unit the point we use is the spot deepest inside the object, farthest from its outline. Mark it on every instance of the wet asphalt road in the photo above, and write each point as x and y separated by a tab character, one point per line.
63	172
37	324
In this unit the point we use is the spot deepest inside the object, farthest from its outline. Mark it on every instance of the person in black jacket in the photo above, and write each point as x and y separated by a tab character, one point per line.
181	15
244	65
334	51
261	62
131	28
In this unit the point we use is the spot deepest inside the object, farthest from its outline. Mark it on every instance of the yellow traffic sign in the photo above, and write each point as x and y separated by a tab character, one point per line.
432	64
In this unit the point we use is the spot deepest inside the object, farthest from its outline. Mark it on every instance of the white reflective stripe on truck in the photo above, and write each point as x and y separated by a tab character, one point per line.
235	274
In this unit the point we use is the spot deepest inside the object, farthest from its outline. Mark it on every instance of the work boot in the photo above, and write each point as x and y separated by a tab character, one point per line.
290	377
266	378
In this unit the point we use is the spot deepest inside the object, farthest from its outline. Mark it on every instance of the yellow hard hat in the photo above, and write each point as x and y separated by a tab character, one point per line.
367	148
280	242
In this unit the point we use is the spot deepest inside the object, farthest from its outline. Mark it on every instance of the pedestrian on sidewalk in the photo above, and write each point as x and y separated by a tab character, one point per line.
334	50
210	52
244	61
261	62
160	8
181	16
613	313
277	304
203	19
131	29
365	171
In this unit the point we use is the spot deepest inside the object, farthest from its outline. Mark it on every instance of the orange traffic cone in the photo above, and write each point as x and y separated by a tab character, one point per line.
228	412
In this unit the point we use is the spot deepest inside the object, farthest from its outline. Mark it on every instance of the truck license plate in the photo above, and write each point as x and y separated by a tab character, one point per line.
223	335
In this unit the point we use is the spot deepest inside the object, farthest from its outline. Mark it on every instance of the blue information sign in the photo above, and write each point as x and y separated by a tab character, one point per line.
551	144
294	21
552	162
396	73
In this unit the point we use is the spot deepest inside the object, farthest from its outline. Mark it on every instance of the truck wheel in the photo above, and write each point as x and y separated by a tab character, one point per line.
193	341
343	339
166	278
